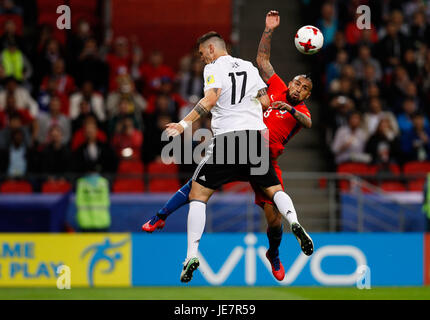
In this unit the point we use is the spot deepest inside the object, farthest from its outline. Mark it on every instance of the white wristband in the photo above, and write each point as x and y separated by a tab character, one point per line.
184	124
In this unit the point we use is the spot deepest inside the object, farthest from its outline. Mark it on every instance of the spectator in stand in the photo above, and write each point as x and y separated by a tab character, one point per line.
79	136
153	144
353	35
22	96
56	157
90	67
93	154
416	141
15	63
50	53
136	67
153	72
191	83
405	119
95	101
10	34
375	114
14	122
123	113
391	47
84	111
126	91
340	108
78	38
364	58
396	92
54	117
127	140
350	140
44	97
335	67
15	160
10	110
369	79
420	30
9	7
328	23
172	100
118	62
65	83
384	145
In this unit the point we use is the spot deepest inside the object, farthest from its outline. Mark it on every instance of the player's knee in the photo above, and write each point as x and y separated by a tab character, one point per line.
270	191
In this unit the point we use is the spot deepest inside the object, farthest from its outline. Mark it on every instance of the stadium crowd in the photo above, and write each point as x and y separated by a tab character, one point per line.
375	83
81	102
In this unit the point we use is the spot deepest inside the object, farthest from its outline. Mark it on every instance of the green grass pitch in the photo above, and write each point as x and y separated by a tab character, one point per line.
218	293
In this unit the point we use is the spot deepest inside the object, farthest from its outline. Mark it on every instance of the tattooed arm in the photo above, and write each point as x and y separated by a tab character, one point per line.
201	109
301	118
264	98
263	53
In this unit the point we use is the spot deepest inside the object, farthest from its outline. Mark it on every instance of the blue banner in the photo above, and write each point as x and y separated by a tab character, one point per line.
229	259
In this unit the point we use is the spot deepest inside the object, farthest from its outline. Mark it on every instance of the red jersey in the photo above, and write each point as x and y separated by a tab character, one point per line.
281	124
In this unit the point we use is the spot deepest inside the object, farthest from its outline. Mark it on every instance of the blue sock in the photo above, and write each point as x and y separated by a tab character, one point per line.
275	236
178	200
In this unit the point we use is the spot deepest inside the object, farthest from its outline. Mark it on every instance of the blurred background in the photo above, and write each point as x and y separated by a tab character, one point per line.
81	116
86	107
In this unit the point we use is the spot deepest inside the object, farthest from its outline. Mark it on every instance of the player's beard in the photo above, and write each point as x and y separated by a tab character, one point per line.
291	100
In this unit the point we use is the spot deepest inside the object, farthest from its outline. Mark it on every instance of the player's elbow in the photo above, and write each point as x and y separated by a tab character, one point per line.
308	124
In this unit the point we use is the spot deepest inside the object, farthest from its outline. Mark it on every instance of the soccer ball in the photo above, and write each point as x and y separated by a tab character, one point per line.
309	40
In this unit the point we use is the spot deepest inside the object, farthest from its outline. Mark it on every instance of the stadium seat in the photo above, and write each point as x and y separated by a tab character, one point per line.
416	168
352	168
16	186
416	185
127	166
56	186
392	168
390	186
159	183
128	186
159	167
237	186
164	185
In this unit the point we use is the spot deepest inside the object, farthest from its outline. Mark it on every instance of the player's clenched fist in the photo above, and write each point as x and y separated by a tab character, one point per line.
174	129
273	19
281	105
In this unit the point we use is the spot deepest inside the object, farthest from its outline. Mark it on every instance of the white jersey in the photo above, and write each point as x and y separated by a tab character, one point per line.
237	107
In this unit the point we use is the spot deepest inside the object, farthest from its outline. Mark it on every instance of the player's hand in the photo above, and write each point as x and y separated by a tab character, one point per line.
273	19
281	105
174	129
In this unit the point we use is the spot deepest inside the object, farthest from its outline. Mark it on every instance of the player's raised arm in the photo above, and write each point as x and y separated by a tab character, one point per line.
263	54
201	109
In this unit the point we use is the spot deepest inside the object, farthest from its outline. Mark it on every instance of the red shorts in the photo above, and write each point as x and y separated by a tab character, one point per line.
260	196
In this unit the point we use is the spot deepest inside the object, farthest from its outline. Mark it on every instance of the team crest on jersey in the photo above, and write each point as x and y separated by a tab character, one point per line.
210	79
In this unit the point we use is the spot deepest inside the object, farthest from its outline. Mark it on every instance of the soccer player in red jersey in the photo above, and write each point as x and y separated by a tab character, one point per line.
284	118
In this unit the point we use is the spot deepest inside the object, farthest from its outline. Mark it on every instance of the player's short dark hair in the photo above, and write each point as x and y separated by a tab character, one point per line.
306	76
207	36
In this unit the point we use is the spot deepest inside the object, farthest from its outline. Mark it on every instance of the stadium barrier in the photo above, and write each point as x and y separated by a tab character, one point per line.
226	259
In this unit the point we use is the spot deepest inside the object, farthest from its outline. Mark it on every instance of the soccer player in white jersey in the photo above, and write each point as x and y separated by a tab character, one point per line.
234	94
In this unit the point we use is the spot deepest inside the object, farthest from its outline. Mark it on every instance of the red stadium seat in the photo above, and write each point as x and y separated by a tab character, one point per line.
416	167
16	186
168	183
353	168
164	185
126	166
392	167
55	186
416	185
128	186
237	186
390	186
159	167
